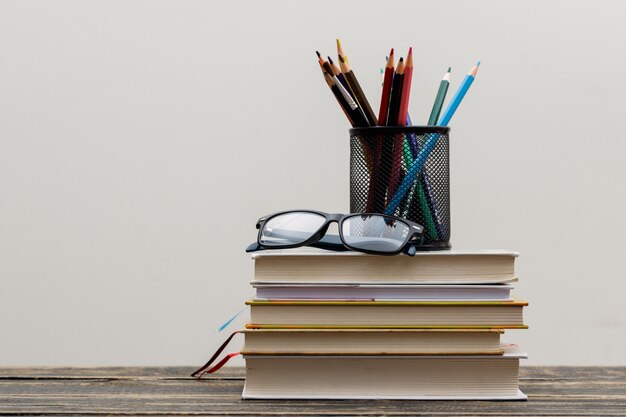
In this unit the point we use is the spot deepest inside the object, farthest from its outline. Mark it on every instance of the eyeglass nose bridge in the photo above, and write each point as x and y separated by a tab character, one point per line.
330	218
334	217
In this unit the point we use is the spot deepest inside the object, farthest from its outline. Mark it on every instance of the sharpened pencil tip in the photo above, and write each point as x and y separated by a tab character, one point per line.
341	59
391	53
449	69
382	71
401	59
318	54
330	60
341	52
474	70
411	50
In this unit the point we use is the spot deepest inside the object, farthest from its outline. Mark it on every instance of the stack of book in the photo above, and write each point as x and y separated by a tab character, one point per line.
345	325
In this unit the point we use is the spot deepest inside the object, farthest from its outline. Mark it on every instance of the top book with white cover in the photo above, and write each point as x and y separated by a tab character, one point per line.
437	267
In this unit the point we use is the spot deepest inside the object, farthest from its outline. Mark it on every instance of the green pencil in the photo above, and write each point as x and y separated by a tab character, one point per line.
441	96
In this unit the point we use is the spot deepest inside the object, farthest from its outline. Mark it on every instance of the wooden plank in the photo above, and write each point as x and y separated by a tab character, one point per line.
563	372
108	386
169	391
117	372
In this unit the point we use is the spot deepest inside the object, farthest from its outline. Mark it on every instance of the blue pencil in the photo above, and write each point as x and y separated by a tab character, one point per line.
458	96
429	145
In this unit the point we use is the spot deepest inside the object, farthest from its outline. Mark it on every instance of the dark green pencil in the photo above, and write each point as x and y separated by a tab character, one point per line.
441	96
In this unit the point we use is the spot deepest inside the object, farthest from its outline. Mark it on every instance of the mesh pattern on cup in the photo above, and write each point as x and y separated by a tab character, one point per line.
379	163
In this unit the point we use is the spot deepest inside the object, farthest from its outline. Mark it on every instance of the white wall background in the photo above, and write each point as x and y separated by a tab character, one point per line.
140	140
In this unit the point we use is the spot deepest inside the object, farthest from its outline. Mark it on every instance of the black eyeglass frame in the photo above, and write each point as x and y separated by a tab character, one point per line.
408	246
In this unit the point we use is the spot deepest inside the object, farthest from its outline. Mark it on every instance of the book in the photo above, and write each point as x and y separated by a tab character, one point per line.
384	377
313	291
390	314
372	342
437	267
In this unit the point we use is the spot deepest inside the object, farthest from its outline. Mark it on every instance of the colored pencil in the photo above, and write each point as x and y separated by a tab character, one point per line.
395	94
421	196
340	51
375	194
432	205
320	60
386	150
337	72
355	112
359	96
328	77
403	109
340	99
417	199
439	99
431	142
387	83
411	137
458	96
427	201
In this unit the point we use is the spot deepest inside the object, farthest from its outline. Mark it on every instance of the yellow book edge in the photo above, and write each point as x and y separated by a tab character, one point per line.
368	329
313	326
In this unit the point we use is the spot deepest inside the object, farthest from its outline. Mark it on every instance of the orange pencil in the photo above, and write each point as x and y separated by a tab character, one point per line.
320	59
406	89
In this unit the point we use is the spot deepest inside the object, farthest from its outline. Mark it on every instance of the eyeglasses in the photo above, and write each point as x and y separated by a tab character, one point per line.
363	232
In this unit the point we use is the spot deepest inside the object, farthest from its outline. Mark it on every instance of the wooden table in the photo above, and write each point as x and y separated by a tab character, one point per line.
552	391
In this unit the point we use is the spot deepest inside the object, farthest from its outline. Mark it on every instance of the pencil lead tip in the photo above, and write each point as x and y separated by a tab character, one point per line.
382	71
478	63
411	50
401	59
341	59
391	53
386	57
330	60
318	54
449	69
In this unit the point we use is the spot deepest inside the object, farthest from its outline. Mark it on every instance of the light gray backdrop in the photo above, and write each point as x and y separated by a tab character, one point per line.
140	140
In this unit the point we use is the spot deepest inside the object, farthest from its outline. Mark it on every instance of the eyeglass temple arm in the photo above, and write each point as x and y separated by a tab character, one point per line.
410	248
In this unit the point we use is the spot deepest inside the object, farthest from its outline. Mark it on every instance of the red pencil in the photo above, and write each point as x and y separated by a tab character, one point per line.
396	94
375	193
388	81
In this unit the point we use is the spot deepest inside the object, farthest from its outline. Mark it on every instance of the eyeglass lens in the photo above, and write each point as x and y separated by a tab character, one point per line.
374	233
290	228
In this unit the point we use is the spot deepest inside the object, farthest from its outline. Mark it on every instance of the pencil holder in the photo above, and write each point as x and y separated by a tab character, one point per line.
403	171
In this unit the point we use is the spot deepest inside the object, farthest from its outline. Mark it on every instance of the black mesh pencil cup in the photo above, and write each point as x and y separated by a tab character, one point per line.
403	171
